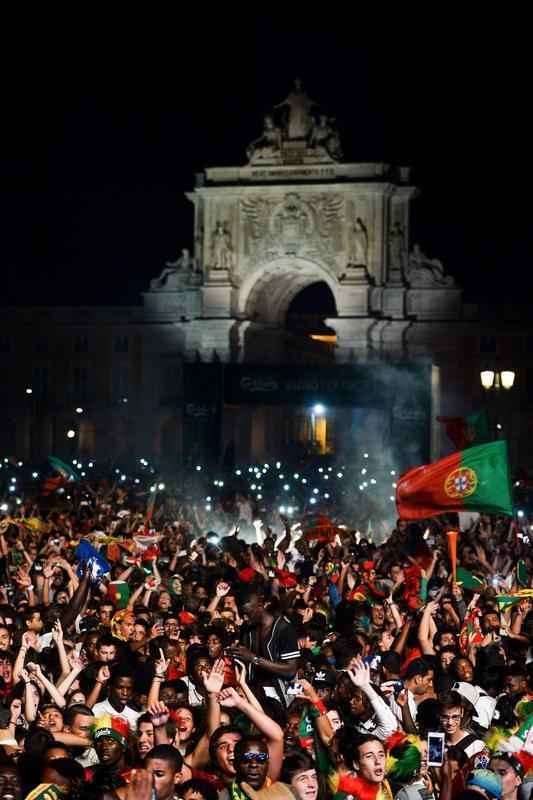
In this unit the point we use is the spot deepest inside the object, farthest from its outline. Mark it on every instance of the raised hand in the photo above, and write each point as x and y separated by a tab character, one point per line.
222	589
214	681
159	714
23	578
240	672
15	710
431	608
57	632
104	674
401	698
156	631
360	674
229	698
140	785
34	669
307	615
161	665
308	692
281	559
29	639
75	661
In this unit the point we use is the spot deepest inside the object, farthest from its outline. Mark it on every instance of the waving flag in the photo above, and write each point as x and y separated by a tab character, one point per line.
476	479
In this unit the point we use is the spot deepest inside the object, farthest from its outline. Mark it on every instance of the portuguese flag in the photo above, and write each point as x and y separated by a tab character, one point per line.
476	479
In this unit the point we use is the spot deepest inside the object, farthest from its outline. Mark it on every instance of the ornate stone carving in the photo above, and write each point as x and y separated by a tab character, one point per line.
177	275
359	254
425	272
324	138
294	133
397	254
221	248
298	121
292	227
268	145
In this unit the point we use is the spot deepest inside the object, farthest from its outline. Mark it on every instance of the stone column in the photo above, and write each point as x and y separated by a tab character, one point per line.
352	338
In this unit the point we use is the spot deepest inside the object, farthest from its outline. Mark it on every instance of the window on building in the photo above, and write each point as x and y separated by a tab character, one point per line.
121	344
81	344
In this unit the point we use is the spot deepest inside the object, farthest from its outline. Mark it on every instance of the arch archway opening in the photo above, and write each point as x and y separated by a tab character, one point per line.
308	311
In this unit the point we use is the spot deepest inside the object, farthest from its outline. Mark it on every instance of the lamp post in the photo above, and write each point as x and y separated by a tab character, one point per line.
493	381
504	379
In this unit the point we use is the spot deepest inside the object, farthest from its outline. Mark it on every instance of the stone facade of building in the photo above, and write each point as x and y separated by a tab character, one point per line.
295	215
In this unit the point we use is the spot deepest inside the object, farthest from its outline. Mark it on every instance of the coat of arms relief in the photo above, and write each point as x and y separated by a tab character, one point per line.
293	227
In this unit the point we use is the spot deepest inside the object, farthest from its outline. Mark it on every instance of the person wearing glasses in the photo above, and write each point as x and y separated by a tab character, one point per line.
251	766
453	722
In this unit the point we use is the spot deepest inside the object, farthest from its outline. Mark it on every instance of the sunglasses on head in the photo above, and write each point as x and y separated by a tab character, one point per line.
251	756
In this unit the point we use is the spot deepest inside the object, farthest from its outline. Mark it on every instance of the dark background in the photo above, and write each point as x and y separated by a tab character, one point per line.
106	121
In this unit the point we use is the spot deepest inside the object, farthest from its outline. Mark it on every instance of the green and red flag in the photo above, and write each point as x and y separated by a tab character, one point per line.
468	580
467	431
63	474
320	528
476	479
119	593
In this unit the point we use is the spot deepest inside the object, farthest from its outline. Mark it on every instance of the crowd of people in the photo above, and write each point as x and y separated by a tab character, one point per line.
233	657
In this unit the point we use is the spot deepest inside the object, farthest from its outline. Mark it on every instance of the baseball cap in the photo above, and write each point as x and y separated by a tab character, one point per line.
324	677
486	779
466	690
511	760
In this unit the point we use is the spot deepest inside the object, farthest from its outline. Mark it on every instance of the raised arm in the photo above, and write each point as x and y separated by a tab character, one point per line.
57	697
264	724
386	721
323	724
424	634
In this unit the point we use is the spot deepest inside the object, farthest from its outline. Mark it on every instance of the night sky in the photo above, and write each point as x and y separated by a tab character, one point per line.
104	126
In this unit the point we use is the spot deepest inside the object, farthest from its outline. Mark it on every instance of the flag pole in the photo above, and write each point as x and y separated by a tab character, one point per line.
452	550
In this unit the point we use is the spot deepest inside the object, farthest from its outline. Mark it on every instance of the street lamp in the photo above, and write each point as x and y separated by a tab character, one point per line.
497	380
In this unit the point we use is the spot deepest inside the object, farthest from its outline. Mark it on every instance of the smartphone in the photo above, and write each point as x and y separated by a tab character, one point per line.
435	749
295	688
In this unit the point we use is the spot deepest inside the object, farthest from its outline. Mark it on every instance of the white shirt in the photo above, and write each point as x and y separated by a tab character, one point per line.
127	713
194	696
397	709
